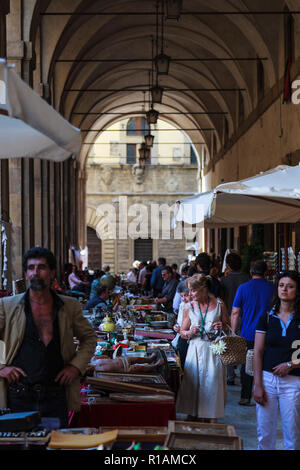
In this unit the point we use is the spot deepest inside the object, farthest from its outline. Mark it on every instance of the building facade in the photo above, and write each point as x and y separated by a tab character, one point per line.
231	88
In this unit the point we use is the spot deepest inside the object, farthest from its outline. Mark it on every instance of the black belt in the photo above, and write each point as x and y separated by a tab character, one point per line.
36	387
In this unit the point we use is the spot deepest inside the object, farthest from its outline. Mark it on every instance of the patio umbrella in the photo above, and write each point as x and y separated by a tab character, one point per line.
269	197
29	126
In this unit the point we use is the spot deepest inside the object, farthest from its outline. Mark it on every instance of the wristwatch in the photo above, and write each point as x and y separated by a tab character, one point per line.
289	364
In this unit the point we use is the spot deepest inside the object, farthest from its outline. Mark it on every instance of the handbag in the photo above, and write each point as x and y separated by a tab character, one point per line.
232	348
249	368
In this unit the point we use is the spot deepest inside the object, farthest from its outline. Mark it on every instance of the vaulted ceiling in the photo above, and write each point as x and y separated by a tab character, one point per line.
81	45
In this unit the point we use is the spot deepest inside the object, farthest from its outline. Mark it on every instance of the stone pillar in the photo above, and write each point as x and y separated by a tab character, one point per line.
57	214
52	214
37	168
15	209
4	10
67	210
236	238
4	165
28	180
45	204
28	206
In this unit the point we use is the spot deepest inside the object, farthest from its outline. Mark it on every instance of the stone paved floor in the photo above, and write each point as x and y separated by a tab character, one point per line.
243	418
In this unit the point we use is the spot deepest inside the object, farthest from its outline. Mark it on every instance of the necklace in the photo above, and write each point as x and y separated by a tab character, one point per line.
203	318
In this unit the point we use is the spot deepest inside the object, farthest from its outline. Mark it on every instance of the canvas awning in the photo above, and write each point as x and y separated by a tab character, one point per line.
29	126
269	197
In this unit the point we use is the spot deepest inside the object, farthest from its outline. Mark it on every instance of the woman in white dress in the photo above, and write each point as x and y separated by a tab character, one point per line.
202	393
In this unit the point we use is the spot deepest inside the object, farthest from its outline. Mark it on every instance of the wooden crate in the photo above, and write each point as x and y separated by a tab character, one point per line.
189	441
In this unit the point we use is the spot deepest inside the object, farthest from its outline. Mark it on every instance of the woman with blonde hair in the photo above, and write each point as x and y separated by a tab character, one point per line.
203	388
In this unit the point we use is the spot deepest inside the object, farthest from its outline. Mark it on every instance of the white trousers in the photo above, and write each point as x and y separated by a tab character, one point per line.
283	395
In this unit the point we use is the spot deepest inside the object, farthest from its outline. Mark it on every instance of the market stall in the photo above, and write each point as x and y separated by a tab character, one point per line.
135	372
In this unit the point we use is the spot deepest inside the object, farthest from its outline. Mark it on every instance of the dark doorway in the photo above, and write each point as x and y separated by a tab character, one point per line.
94	249
143	249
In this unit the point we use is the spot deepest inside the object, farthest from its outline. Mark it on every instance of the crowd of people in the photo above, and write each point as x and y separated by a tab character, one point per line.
43	367
207	301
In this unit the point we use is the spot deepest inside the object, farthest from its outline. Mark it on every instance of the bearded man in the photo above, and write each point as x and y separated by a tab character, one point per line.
40	369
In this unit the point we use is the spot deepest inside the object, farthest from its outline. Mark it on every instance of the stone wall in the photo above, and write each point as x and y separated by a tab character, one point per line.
156	190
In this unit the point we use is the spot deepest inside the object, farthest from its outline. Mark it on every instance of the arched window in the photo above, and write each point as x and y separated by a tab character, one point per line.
137	126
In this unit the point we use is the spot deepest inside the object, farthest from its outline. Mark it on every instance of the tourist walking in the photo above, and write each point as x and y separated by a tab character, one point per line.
252	299
276	367
202	391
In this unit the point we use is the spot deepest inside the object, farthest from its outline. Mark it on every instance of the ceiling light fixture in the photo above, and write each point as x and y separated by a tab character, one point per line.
144	154
162	61
157	94
149	139
152	116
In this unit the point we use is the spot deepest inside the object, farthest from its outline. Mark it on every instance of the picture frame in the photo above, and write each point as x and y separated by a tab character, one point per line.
201	428
143	434
124	387
140	398
189	441
149	380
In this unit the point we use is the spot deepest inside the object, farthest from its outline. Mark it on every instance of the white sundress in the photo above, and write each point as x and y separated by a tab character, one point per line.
202	391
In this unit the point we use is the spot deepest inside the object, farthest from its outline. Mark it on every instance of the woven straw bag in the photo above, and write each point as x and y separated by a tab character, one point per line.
236	349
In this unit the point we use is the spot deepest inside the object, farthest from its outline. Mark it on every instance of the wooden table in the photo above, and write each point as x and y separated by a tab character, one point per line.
110	413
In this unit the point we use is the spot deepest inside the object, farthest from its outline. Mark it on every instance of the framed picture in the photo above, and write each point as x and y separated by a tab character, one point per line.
140	379
144	434
188	441
117	386
140	398
201	428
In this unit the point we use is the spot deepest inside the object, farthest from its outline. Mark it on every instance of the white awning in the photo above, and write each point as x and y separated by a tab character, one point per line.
29	126
270	197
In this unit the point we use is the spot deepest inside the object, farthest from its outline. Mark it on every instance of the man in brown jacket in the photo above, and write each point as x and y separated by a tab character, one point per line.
40	367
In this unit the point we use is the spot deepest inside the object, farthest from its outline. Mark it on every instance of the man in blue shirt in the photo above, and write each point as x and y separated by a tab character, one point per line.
252	299
100	299
157	281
